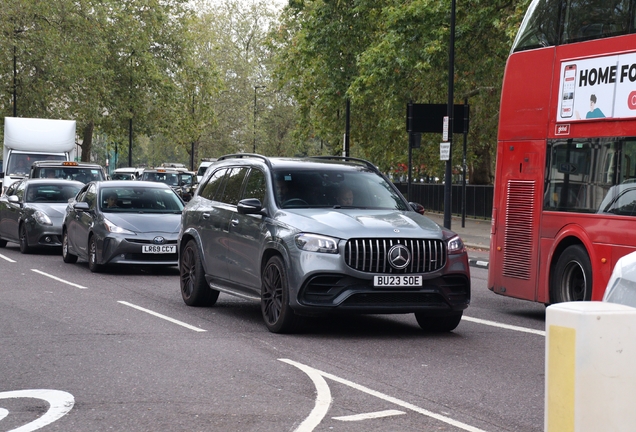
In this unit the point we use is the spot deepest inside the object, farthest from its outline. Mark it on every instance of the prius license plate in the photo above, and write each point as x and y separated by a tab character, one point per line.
159	249
397	281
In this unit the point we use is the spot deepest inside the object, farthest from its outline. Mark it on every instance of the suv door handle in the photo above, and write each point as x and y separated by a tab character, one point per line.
235	222
205	215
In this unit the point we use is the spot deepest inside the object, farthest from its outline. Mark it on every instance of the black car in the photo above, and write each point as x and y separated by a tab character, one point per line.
122	222
308	236
32	210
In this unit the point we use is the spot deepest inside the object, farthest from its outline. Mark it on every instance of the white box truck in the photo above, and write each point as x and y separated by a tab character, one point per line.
27	140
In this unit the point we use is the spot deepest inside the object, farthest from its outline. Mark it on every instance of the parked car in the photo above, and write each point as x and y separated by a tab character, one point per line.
69	170
122	222
308	236
32	210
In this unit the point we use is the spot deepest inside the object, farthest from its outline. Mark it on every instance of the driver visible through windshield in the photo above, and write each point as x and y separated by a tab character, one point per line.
360	188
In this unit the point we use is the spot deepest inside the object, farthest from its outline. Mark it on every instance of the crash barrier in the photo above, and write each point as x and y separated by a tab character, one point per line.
590	372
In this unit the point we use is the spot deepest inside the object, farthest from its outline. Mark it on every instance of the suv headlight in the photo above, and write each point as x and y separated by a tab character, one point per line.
116	229
42	218
316	243
455	245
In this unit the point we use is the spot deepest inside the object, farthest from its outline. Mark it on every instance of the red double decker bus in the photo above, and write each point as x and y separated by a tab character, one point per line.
564	207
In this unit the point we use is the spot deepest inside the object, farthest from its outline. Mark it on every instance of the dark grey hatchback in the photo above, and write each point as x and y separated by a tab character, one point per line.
309	236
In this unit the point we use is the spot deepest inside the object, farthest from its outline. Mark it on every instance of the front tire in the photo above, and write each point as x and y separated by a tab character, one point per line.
3	243
438	323
68	258
278	315
572	276
92	256
194	289
24	240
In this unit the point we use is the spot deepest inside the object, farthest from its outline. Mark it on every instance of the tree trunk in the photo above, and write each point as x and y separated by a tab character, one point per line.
87	143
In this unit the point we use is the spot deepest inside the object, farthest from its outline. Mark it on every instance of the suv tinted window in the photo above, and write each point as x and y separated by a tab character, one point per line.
255	187
210	189
232	192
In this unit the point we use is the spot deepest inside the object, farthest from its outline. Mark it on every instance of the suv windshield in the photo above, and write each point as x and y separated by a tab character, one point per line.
169	178
338	188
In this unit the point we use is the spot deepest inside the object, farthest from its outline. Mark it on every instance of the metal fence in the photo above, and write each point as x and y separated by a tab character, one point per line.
431	196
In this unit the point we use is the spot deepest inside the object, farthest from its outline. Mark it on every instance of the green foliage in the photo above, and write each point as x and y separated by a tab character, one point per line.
383	54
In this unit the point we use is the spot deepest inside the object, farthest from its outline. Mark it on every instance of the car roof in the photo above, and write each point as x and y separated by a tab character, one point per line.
129	184
53	181
314	162
67	164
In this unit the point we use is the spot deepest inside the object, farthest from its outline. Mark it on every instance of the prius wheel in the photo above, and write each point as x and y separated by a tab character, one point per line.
194	289
66	256
438	323
572	276
278	315
92	256
24	240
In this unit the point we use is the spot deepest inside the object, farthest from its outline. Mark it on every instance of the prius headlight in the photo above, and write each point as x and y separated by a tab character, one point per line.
317	243
116	229
42	218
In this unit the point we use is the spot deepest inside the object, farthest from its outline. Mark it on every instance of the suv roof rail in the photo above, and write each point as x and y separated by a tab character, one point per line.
348	159
245	155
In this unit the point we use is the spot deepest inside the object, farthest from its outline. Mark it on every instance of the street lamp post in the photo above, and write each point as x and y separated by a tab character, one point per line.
254	124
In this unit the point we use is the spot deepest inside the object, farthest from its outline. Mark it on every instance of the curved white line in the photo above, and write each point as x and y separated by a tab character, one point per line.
311	372
3	413
323	397
60	403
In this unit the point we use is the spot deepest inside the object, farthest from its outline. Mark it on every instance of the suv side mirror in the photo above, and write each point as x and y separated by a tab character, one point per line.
419	208
81	206
250	206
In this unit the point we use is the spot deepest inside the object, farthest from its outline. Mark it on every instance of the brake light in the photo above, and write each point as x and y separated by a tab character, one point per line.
69	163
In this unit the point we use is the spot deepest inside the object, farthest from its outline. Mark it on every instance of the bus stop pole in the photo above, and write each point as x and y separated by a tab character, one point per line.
464	163
451	80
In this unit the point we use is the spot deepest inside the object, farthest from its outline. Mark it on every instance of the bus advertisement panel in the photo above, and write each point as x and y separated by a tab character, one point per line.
564	207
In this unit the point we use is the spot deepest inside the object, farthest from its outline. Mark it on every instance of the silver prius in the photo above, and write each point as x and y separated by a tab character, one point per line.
32	210
122	222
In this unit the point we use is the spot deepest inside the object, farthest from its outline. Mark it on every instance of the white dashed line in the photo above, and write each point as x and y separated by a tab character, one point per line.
366	416
504	326
167	318
7	258
58	279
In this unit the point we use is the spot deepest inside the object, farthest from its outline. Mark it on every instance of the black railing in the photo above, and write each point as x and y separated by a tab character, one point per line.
478	198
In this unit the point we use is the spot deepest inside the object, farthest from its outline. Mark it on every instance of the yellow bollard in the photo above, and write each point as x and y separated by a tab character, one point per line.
590	367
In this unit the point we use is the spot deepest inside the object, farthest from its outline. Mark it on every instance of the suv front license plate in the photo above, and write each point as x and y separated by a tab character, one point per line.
397	281
156	249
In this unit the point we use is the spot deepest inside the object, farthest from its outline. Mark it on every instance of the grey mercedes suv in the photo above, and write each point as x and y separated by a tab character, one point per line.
318	235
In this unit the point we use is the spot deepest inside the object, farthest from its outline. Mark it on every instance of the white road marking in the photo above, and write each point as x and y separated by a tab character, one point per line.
6	258
308	370
3	413
323	397
58	279
167	318
504	326
60	403
366	416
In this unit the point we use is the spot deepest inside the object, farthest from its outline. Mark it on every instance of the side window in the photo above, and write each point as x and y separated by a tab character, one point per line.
210	189
232	192
90	196
11	190
255	187
19	190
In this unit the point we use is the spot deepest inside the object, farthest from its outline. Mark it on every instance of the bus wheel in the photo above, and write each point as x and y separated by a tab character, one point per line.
572	276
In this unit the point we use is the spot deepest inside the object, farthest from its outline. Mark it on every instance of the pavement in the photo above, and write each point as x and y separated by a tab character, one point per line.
475	233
